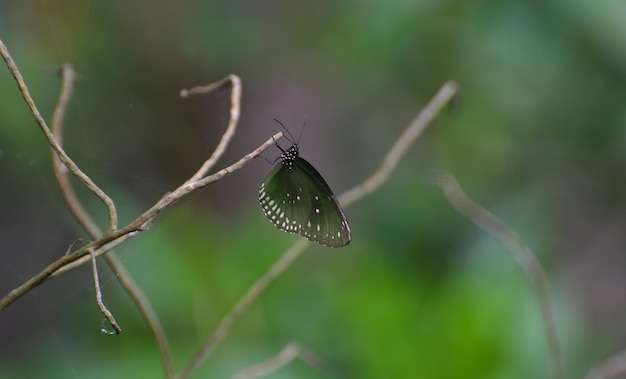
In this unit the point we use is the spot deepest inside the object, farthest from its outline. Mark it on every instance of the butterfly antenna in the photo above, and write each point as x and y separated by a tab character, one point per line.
293	140
302	130
267	160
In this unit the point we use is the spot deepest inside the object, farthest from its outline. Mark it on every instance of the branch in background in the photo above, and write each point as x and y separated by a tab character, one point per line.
68	80
286	356
397	151
521	253
442	98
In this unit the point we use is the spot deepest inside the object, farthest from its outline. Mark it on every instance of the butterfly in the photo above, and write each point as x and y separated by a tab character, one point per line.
297	199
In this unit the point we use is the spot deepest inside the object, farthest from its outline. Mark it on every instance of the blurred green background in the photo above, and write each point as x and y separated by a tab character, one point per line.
538	137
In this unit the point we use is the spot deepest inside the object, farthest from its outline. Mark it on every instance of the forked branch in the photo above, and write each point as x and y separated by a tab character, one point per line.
113	236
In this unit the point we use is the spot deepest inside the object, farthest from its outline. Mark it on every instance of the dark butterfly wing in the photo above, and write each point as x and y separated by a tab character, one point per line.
281	198
298	200
326	223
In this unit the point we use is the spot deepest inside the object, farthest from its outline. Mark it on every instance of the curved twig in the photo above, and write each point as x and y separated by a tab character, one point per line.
105	311
282	359
235	106
521	253
442	98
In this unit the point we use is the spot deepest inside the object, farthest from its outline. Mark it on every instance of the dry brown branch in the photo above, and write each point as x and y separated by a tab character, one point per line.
397	151
282	359
521	253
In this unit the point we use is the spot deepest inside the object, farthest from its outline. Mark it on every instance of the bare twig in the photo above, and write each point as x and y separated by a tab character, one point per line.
521	253
85	220
68	76
65	159
146	309
71	246
397	151
143	222
443	97
105	311
235	106
284	357
102	249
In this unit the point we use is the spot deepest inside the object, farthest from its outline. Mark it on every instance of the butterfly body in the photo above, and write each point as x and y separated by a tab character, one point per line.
297	199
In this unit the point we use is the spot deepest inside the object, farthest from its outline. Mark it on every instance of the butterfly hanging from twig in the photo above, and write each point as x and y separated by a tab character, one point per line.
297	199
